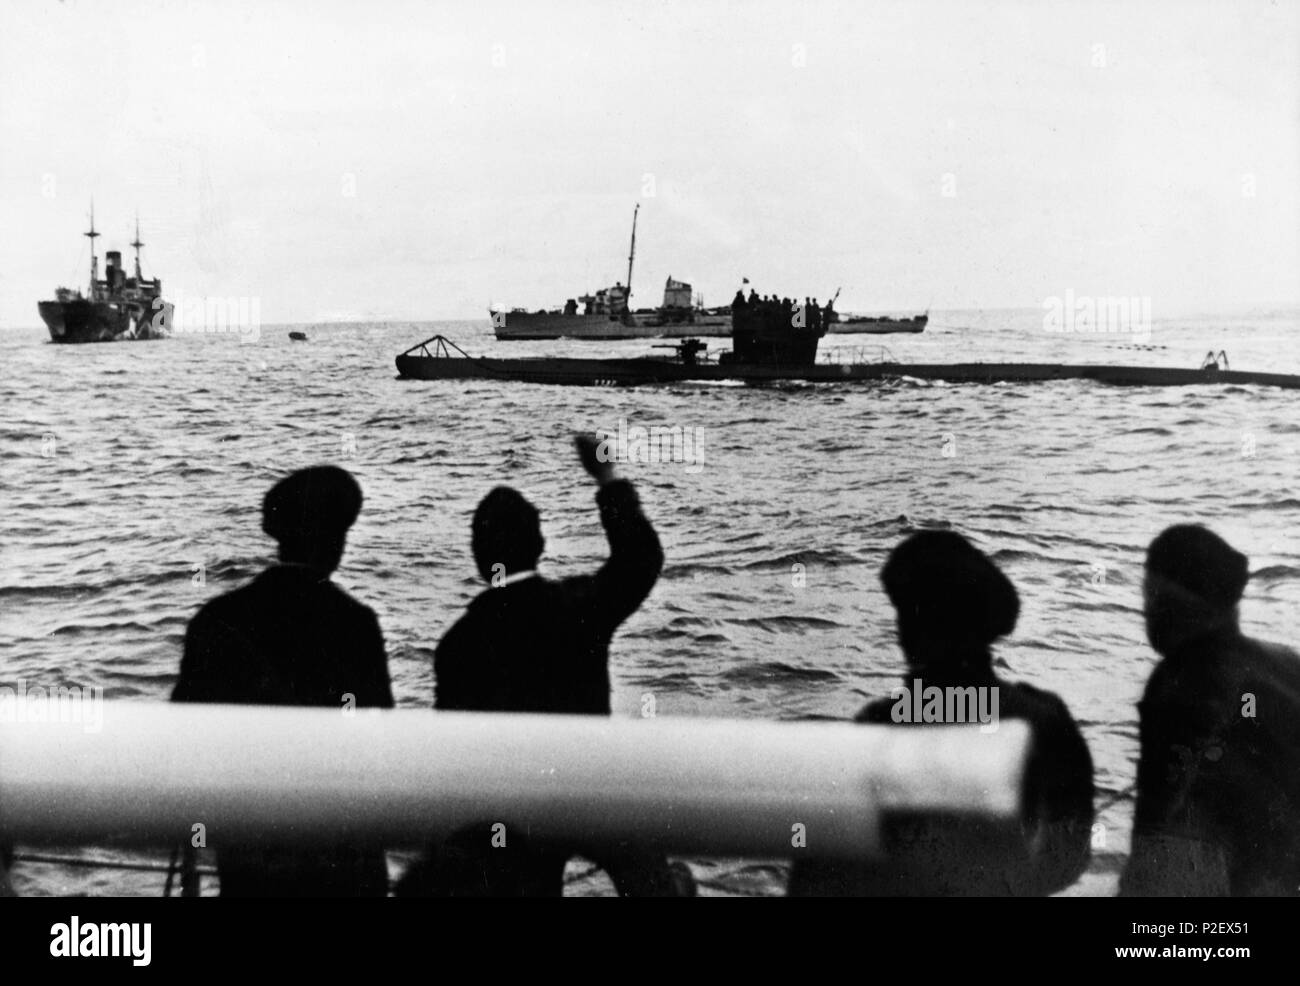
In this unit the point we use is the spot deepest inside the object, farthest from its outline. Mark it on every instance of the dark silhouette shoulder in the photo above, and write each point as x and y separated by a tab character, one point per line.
286	638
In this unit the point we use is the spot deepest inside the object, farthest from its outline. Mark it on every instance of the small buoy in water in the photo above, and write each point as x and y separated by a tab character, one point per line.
298	336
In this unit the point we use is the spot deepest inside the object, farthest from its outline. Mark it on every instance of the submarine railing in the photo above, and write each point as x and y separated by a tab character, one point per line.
441	348
162	774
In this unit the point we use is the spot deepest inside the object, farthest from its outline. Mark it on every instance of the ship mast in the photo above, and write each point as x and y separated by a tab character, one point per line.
631	253
137	244
94	259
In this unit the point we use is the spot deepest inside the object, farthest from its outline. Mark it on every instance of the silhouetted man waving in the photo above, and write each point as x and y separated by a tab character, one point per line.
531	644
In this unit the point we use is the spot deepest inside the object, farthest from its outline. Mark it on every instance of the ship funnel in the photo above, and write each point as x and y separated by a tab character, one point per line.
113	269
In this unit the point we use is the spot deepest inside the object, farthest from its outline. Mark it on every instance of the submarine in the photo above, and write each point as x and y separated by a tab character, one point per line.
776	346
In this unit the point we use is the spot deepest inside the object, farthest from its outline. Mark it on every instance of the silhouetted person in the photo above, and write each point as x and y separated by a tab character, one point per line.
952	602
292	637
1218	779
753	297
530	644
738	302
6	862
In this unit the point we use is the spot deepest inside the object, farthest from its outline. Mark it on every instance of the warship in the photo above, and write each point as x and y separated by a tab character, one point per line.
876	324
607	314
117	308
847	324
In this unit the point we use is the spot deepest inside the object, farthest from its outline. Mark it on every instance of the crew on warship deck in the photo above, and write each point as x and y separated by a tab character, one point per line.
292	637
738	302
952	602
530	644
816	320
1218	777
809	314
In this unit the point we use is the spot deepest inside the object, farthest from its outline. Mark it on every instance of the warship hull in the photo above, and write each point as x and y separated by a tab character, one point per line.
81	321
853	325
634	325
521	326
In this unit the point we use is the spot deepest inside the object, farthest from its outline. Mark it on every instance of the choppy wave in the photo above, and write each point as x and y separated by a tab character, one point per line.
777	672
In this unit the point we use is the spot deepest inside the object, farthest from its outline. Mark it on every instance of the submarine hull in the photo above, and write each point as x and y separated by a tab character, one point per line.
650	371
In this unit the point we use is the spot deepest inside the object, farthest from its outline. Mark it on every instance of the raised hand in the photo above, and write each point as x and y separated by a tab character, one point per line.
588	453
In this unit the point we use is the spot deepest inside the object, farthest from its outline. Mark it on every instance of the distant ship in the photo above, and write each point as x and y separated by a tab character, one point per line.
605	315
873	324
115	309
878	324
608	314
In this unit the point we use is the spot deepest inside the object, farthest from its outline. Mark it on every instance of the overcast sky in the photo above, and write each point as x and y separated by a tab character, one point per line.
419	161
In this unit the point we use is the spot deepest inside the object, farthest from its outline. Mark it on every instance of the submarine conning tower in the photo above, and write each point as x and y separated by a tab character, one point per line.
767	330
